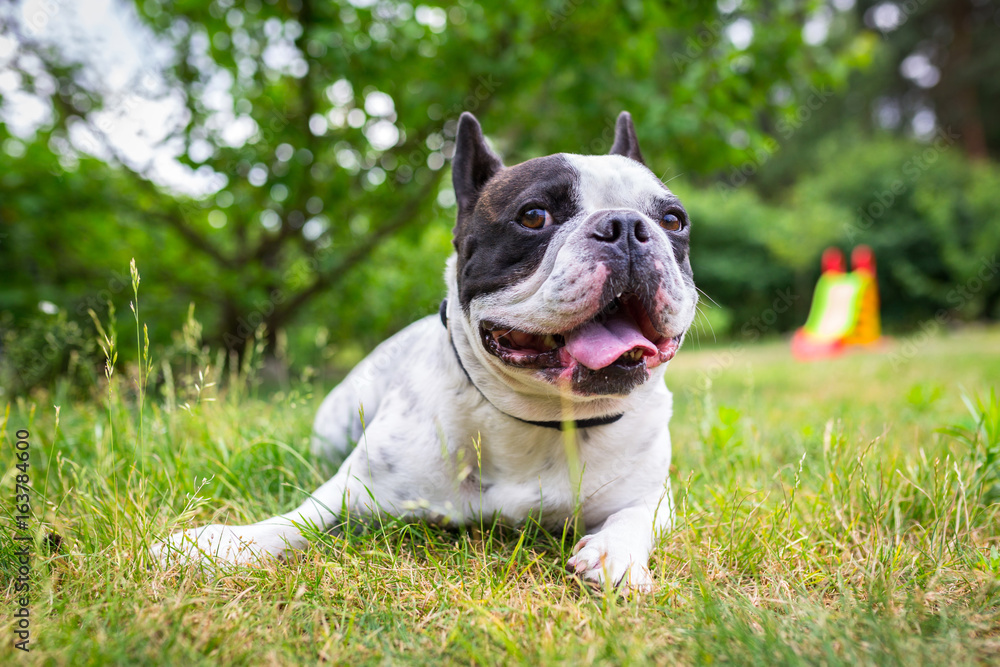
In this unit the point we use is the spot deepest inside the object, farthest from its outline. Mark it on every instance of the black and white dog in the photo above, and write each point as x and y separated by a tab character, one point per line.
569	291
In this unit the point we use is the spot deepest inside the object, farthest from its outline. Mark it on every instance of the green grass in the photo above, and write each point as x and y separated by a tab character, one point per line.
825	518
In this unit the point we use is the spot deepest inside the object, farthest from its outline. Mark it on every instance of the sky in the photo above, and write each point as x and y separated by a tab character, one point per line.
122	60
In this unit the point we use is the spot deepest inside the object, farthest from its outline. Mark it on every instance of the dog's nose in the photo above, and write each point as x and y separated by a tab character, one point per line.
621	226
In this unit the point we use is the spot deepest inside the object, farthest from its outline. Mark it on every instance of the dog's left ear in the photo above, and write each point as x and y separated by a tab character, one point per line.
474	163
625	141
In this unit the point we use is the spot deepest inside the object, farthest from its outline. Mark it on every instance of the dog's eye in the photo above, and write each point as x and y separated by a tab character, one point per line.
671	222
535	218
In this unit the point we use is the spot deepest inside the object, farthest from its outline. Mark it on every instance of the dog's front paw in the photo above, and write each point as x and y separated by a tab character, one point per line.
601	558
219	545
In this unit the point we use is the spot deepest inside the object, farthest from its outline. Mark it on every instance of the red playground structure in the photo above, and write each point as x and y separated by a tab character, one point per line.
845	308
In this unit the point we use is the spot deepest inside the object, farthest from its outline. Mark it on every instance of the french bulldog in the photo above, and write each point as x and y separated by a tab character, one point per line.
537	391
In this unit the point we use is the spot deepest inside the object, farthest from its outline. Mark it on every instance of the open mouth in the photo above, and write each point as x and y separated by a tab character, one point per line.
621	337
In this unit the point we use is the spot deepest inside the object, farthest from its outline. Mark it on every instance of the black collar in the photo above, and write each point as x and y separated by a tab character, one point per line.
558	425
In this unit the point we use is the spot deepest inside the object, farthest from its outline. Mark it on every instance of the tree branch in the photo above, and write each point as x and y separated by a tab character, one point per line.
358	254
175	221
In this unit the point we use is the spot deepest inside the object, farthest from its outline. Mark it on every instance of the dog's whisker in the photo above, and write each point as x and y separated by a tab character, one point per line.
706	321
705	294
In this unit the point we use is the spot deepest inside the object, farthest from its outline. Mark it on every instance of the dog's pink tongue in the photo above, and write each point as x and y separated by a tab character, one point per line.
596	345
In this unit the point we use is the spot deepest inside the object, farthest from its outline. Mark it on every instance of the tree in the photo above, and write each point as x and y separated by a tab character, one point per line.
939	61
321	130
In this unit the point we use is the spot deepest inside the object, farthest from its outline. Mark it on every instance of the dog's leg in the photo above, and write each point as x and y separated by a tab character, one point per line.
618	551
394	455
277	536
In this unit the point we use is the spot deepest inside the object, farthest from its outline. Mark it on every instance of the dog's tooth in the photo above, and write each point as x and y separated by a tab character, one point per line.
550	341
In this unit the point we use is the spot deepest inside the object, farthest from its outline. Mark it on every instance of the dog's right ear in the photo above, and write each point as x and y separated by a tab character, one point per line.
474	163
626	142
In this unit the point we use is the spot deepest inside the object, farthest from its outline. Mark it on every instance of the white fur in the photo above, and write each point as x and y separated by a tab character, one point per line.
433	447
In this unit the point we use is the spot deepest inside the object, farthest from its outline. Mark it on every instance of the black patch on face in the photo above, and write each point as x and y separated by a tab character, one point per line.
680	241
494	250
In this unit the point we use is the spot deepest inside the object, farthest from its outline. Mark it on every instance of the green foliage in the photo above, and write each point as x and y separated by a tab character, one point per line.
983	442
301	227
46	350
772	164
957	40
928	214
736	265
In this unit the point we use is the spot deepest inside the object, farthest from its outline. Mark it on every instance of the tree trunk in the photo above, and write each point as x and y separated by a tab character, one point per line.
961	94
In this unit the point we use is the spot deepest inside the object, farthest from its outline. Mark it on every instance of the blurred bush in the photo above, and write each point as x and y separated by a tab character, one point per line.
50	348
735	261
930	215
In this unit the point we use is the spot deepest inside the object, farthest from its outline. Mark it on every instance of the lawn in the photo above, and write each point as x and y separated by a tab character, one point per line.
840	512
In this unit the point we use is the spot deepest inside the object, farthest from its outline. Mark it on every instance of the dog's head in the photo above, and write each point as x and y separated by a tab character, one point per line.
571	271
